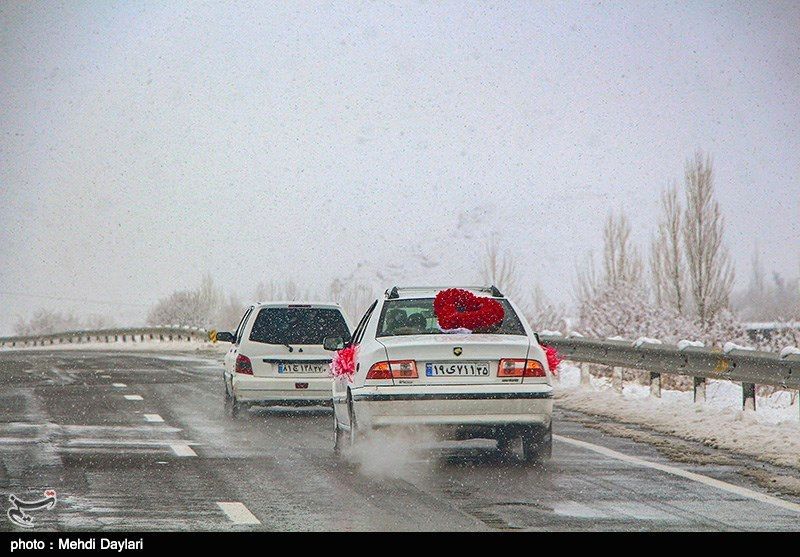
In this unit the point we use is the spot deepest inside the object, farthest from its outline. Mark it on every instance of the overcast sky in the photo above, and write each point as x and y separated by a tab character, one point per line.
144	144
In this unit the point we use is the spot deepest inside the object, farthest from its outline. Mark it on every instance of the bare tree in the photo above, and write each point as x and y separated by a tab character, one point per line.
46	321
710	270
543	314
196	308
587	282
621	261
287	290
354	298
666	255
229	314
500	268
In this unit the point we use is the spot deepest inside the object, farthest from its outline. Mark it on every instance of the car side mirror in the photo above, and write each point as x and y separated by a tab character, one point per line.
333	343
225	337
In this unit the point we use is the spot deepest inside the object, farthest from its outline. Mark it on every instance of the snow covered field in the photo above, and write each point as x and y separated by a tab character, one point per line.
771	433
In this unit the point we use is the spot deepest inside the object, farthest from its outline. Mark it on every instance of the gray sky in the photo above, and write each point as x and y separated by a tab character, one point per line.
144	144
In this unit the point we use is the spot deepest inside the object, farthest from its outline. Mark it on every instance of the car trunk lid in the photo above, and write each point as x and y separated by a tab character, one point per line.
304	361
454	359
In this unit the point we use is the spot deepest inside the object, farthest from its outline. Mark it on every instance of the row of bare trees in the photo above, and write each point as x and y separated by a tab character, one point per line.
687	292
46	321
207	306
690	264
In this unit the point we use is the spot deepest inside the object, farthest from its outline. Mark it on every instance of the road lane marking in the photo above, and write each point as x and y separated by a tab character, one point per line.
238	513
133	397
153	418
699	478
182	450
120	385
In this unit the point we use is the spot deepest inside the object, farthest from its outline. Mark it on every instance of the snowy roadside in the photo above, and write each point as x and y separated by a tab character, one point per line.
140	346
770	434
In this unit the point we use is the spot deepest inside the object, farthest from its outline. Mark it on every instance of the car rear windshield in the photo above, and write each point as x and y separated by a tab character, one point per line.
416	317
299	325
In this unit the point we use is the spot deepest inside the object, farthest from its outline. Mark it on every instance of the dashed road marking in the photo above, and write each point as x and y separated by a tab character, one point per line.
120	385
238	513
182	450
155	418
133	397
699	478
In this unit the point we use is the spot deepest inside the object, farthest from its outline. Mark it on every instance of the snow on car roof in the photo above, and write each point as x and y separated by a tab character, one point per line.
431	291
297	303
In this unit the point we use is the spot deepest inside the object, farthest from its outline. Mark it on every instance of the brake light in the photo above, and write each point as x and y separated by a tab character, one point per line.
520	368
534	368
243	365
394	369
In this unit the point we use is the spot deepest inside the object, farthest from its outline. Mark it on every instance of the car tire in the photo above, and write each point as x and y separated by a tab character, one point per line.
537	444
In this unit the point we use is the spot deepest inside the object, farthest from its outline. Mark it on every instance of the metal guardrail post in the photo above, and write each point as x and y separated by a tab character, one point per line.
617	378
699	389
655	384
586	377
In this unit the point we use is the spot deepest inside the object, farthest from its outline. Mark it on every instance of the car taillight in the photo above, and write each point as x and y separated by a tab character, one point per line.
243	365
534	368
520	368
394	369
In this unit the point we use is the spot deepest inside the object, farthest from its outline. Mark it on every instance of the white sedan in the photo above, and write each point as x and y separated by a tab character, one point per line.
276	354
410	373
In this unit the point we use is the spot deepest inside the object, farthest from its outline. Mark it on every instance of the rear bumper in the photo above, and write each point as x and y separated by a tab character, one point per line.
485	405
247	388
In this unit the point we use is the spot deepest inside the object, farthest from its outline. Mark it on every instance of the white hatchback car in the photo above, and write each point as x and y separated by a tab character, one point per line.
277	356
476	385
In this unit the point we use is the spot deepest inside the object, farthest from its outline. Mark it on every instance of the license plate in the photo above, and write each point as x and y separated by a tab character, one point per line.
287	367
457	369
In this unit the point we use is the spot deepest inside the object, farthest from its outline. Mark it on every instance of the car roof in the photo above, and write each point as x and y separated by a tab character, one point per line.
296	303
406	292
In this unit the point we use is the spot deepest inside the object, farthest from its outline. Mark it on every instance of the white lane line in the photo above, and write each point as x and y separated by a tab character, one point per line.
182	450
133	397
120	385
699	478
238	513
153	418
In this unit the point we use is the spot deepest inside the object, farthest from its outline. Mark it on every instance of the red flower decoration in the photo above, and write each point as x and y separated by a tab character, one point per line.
461	309
553	359
344	362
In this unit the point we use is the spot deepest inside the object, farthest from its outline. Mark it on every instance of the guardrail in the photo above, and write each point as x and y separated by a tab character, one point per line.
734	363
127	334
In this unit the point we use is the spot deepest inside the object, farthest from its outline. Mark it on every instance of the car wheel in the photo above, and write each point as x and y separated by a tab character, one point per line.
537	444
232	406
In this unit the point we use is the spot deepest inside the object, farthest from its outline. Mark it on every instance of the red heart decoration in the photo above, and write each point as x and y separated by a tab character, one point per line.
456	308
50	493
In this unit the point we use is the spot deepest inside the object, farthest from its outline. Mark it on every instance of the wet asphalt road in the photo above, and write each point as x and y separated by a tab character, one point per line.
174	460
